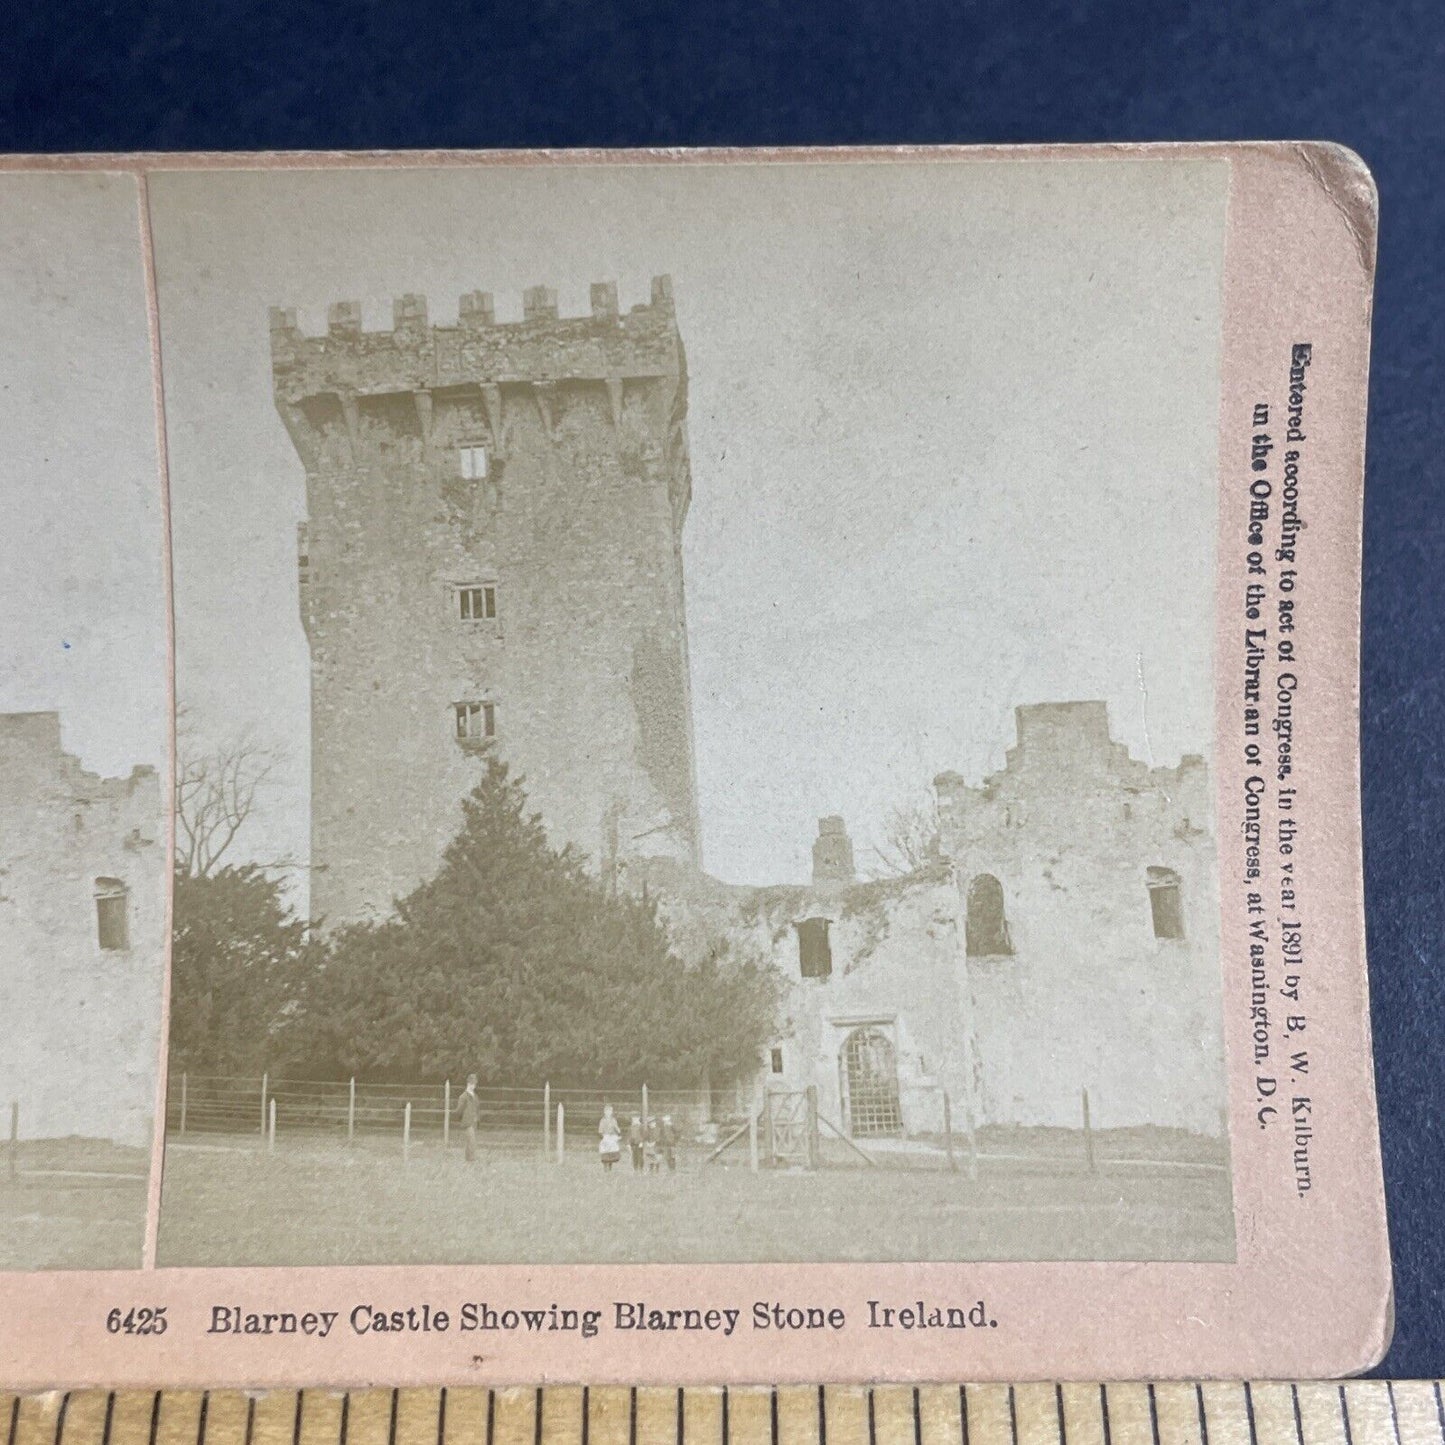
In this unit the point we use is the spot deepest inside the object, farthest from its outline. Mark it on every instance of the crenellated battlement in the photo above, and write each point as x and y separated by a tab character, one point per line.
490	565
1066	775
608	345
37	773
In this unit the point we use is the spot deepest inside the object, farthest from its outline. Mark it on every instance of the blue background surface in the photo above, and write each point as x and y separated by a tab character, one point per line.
226	75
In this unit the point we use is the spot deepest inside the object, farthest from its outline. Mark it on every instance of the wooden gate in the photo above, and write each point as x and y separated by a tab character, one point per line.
790	1127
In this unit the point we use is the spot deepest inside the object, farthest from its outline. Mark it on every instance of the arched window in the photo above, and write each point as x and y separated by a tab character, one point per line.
112	913
986	932
815	953
1165	908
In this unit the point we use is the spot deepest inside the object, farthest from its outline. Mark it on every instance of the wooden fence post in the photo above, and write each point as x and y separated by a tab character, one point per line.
351	1111
546	1120
271	1128
561	1132
1088	1135
14	1138
645	1115
183	1102
406	1133
812	1126
265	1089
948	1132
753	1134
970	1125
447	1115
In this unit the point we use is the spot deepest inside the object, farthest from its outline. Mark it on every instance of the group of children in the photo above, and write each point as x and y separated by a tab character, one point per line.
650	1143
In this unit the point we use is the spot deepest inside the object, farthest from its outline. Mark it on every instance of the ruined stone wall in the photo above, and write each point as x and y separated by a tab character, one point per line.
81	1021
1090	997
1086	997
577	525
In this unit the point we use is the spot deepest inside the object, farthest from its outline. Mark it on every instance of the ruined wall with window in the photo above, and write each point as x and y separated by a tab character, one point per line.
82	906
1092	926
1065	940
871	1010
491	566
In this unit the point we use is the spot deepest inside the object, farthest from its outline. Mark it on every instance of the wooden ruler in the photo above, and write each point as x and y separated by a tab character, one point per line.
1361	1412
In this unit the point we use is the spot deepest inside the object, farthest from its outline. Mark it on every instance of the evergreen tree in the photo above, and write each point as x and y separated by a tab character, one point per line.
513	962
238	966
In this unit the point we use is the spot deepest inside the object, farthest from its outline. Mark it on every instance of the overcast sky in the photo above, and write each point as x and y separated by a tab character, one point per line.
953	432
82	628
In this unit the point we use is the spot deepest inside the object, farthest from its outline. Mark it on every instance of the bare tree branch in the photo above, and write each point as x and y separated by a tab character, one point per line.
217	786
910	838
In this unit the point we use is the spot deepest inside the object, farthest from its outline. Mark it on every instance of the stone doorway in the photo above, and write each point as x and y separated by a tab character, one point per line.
870	1084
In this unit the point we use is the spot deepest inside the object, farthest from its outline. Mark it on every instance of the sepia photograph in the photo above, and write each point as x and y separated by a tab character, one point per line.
695	704
83	727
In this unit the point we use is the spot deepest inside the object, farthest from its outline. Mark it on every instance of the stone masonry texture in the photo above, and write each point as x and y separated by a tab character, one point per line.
81	1021
545	460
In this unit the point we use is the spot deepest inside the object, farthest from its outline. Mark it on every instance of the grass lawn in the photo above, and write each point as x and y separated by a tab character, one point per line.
226	1201
73	1204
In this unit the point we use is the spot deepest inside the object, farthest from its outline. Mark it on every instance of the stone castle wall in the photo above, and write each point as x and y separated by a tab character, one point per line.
1086	997
576	526
81	1020
1071	828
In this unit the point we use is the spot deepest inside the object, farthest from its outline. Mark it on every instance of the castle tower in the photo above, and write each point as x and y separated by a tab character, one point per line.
491	566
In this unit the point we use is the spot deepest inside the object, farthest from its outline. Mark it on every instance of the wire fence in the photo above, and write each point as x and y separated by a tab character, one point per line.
734	1126
535	1118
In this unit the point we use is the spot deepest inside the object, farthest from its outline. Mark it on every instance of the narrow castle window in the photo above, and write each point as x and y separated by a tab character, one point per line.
815	953
986	931
112	914
477	604
777	1061
474	463
1165	909
476	721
